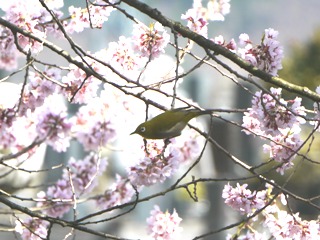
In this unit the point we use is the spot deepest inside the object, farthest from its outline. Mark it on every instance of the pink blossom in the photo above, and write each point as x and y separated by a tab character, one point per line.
274	113
278	120
120	192
283	225
267	55
31	17
94	125
121	55
54	127
81	18
80	87
8	51
196	18
242	199
154	168
84	173
150	41
38	89
7	118
218	9
283	149
186	147
57	200
244	39
32	228
159	163
278	223
164	226
232	46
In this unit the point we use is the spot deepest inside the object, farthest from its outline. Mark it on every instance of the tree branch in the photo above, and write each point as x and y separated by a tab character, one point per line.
207	44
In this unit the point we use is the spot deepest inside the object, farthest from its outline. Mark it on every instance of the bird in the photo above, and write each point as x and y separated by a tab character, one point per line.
168	124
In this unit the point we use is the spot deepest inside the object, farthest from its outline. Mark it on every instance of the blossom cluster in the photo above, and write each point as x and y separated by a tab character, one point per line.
54	127
7	116
267	55
38	88
284	225
160	164
32	228
119	192
122	56
93	125
198	16
278	120
162	225
80	88
154	168
93	16
150	42
31	17
28	118
243	200
278	223
80	177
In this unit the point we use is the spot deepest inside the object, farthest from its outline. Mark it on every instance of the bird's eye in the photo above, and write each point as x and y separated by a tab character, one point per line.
142	129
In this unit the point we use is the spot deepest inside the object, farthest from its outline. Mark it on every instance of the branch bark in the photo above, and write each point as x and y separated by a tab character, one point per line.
207	44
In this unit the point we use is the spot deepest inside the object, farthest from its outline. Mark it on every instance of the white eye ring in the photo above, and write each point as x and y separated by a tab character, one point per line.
142	129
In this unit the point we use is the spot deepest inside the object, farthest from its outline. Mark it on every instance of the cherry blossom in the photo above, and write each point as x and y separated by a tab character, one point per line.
196	18
83	173
217	9
280	224
150	41
242	199
82	18
162	225
278	120
283	225
80	87
199	15
57	200
283	149
158	163
267	55
232	46
7	118
54	127
120	192
32	228
153	169
40	114
38	89
122	56
31	17
273	113
93	125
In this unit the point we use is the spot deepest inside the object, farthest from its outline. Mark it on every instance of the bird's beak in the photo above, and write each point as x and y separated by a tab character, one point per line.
133	133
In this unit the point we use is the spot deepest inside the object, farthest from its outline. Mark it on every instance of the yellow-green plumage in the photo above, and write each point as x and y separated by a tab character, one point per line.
168	124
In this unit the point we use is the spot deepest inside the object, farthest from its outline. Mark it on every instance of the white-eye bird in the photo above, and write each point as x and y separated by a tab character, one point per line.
168	124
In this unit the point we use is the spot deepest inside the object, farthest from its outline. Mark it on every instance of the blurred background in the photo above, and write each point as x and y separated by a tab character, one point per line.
299	32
